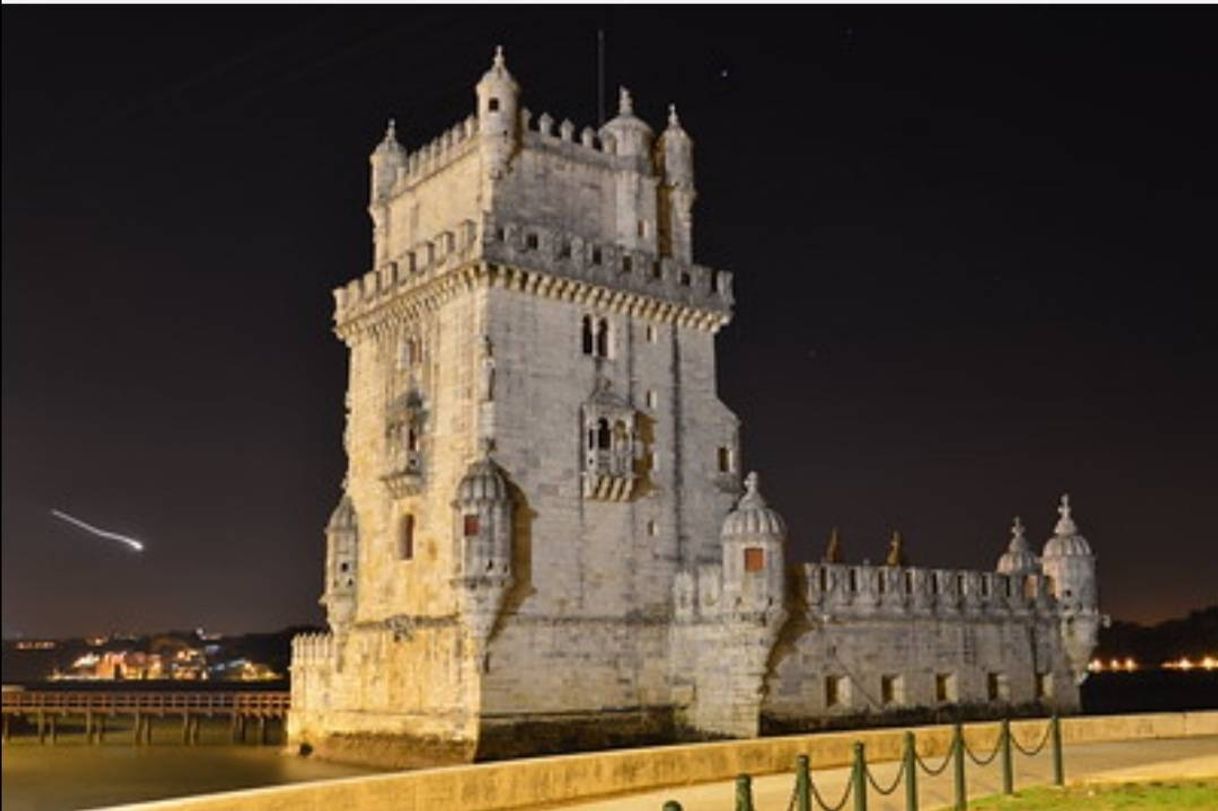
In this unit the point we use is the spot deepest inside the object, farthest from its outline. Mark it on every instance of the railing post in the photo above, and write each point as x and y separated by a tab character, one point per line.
137	727
803	783
1059	766
911	773
1008	770
744	793
858	777
961	790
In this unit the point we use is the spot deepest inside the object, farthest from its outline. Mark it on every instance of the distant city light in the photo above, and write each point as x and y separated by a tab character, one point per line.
1184	663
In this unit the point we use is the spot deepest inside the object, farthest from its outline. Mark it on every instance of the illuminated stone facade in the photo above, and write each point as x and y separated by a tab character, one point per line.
542	543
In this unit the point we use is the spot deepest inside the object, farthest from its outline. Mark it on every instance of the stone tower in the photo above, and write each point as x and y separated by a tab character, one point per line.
527	358
543	543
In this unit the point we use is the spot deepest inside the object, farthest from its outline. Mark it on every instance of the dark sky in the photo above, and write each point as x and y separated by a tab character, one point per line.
971	248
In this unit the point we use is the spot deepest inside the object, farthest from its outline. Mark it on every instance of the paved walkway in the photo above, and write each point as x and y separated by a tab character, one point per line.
1089	762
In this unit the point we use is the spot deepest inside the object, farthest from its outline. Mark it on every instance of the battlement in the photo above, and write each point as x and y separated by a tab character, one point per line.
570	256
311	649
838	590
676	287
446	148
596	147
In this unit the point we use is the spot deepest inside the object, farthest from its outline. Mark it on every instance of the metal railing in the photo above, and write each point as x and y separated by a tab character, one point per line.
219	703
806	797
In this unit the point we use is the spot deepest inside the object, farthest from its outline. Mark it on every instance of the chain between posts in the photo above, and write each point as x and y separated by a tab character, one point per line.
896	783
805	796
1038	748
942	767
820	801
982	762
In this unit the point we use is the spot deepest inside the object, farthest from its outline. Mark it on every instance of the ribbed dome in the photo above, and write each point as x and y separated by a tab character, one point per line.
343	517
752	517
389	145
632	134
498	73
483	481
1066	540
1018	559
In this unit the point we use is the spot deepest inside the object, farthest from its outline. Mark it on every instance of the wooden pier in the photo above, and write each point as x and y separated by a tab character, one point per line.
48	709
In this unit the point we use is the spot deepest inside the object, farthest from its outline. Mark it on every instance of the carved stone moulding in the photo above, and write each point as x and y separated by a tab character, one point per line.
608	488
403	483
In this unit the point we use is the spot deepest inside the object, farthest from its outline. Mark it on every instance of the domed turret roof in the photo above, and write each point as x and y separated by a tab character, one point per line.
1066	540
1018	559
483	481
752	517
389	145
631	134
674	132
498	72
343	517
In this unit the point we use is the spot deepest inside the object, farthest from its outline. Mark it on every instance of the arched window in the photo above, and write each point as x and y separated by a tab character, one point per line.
602	338
406	538
621	434
604	438
587	335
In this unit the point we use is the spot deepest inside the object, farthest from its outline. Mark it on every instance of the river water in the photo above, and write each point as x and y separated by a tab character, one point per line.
72	775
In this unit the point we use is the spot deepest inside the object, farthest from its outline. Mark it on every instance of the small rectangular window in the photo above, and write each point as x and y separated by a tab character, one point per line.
754	559
530	241
1044	686
471	525
945	687
892	690
685	279
837	691
492	104
996	687
725	459
627	264
596	256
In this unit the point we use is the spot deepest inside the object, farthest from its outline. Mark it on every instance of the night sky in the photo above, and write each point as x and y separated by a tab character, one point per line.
971	248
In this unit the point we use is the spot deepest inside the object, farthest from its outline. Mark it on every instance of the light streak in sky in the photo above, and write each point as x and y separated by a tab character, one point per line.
101	533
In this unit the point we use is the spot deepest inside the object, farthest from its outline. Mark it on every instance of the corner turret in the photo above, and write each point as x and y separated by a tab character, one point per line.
1018	559
753	560
498	116
388	160
630	135
1069	564
342	562
482	524
675	158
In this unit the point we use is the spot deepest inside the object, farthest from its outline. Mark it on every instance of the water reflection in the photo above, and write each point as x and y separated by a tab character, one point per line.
73	775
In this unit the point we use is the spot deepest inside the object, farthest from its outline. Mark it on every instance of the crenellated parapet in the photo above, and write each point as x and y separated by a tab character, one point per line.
612	266
312	649
445	149
535	257
841	592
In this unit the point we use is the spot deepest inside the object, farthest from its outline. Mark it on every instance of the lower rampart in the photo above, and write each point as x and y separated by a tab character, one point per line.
568	778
